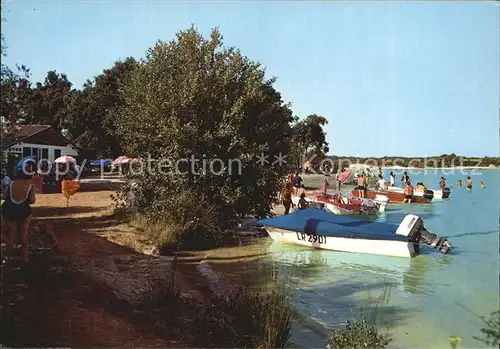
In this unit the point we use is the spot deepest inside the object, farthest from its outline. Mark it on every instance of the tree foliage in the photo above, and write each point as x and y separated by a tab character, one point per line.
309	138
93	111
192	97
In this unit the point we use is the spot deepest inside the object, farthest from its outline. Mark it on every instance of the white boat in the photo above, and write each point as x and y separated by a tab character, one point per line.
343	205
324	230
438	194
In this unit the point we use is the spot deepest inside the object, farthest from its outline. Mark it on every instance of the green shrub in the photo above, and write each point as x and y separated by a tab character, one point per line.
188	221
491	333
246	319
356	335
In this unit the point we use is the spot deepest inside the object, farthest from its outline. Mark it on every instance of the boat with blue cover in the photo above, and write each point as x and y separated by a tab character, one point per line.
320	229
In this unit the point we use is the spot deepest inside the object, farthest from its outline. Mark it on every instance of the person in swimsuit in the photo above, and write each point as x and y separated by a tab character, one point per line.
392	179
469	183
459	183
483	185
442	183
361	185
325	184
408	193
303	204
16	209
297	182
286	198
405	179
382	183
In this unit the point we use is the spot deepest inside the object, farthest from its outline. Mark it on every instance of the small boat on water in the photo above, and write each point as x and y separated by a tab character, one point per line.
396	196
343	205
324	230
438	194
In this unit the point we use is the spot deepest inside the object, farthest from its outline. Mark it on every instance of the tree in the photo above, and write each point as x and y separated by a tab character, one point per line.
93	111
309	138
48	103
15	95
192	97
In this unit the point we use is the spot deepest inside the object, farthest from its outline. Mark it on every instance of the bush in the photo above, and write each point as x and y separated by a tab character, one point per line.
245	319
205	113
188	221
491	333
356	335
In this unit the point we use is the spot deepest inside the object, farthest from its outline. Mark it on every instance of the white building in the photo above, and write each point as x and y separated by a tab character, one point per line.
41	141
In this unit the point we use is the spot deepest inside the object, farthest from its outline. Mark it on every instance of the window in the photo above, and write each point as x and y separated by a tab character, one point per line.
45	153
26	152
57	153
34	152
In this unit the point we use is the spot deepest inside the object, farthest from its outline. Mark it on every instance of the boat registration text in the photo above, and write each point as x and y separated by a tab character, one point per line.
311	238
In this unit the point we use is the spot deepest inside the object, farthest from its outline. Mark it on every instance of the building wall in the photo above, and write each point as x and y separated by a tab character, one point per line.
50	150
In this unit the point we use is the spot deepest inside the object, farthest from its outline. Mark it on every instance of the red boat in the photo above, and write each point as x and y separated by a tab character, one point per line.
395	197
342	205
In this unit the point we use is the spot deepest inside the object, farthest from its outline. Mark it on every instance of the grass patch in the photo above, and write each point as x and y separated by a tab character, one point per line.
363	333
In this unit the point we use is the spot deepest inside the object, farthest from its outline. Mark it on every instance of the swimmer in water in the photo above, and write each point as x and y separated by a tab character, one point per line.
469	183
459	183
483	185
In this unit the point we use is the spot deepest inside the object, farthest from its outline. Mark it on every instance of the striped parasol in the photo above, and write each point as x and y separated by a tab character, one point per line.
119	160
65	159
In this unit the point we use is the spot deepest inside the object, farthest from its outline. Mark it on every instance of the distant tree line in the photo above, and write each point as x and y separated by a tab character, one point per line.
445	160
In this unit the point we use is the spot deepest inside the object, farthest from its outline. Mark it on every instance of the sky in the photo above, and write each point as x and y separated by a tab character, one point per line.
392	78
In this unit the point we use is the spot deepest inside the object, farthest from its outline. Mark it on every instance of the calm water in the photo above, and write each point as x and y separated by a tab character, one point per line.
432	296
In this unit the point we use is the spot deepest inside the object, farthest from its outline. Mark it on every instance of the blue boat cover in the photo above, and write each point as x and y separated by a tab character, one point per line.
315	221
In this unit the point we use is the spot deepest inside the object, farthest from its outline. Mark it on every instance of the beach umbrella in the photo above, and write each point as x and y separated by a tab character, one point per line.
65	159
69	188
129	161
25	160
119	160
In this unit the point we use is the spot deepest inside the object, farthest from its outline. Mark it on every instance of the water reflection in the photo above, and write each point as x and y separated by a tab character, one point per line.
315	268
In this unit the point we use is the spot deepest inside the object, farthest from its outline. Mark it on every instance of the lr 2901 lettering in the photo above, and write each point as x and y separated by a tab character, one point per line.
311	238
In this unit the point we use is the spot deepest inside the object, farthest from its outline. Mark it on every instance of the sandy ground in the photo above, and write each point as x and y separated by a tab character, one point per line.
85	293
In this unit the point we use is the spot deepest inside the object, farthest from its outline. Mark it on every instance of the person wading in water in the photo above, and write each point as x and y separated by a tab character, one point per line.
408	193
16	209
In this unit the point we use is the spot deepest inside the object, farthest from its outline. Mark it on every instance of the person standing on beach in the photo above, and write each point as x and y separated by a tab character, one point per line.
361	185
16	210
325	184
469	183
392	179
286	198
297	182
442	183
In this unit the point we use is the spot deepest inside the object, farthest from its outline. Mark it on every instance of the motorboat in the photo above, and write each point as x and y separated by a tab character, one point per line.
419	191
395	196
343	205
324	230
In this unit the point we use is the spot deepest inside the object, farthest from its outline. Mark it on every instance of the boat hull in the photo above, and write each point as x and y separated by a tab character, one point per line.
392	248
394	197
438	194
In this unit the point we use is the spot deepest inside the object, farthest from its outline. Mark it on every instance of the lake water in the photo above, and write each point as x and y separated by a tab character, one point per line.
432	296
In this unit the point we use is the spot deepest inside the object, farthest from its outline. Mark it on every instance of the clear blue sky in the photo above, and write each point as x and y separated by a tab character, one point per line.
407	79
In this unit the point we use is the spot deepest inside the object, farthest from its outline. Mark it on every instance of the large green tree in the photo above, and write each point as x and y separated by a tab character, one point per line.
194	97
309	138
94	109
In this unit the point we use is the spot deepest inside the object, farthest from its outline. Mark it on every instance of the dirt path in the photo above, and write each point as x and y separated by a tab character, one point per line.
87	294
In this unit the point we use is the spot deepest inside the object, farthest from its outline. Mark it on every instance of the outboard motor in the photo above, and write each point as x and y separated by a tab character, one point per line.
428	194
446	192
413	227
